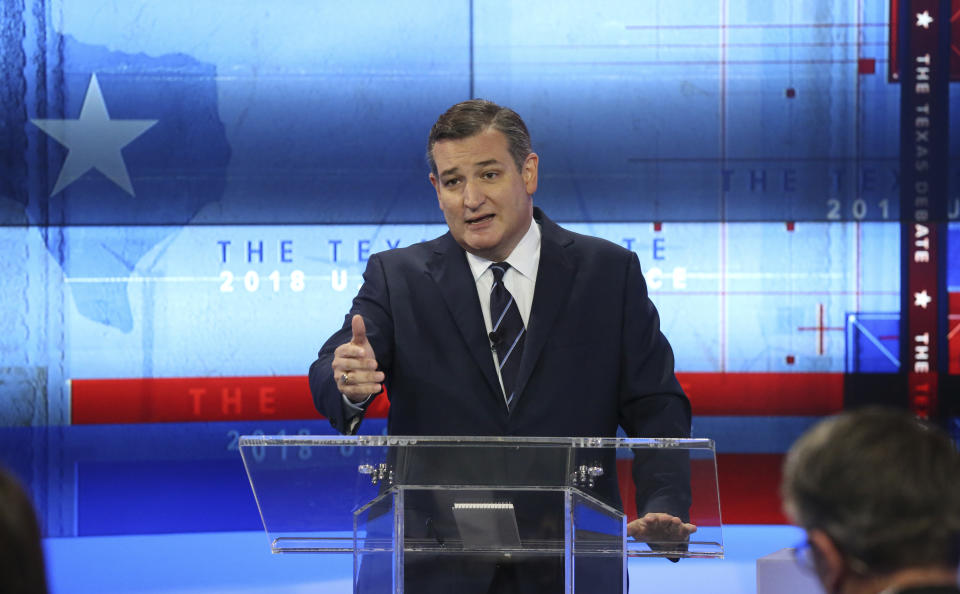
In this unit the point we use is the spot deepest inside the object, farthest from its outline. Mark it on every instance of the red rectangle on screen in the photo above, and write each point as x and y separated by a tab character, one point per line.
170	400
749	487
179	400
200	399
763	394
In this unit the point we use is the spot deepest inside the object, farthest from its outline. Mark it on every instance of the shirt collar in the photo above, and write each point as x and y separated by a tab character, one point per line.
523	258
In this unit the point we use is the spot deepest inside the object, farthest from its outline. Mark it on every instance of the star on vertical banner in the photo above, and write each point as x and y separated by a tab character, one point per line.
924	183
924	19
94	141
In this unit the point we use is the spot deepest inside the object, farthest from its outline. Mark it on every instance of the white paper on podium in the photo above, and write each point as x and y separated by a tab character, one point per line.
487	525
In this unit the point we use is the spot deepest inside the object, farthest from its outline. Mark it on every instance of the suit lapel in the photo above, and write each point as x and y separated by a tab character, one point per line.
554	278
450	272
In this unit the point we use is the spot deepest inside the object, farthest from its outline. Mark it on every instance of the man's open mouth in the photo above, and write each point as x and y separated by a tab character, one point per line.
481	219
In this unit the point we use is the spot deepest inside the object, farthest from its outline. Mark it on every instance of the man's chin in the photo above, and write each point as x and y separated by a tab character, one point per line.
487	252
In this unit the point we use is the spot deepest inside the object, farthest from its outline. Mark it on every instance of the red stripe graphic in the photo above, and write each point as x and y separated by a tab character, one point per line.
202	399
763	394
178	400
750	488
170	400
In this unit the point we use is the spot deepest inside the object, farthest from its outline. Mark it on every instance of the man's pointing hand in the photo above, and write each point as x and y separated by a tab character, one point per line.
355	365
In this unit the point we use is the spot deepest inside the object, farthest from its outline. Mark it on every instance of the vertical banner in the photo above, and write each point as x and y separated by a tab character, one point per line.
924	62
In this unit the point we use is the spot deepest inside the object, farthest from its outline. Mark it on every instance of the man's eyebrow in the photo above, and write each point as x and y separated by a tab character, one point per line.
450	171
454	170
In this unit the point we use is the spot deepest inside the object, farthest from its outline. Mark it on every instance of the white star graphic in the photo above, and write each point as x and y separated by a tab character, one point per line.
922	299
94	141
924	19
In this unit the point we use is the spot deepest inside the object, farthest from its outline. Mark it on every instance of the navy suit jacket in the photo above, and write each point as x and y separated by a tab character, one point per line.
594	356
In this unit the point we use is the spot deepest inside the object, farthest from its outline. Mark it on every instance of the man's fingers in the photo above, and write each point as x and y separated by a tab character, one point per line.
360	377
359	331
360	392
659	517
659	526
350	356
358	384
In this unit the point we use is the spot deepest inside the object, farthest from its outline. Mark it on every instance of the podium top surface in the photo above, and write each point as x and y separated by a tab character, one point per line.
476	441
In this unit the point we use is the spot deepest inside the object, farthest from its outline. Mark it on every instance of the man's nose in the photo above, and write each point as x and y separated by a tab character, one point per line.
473	195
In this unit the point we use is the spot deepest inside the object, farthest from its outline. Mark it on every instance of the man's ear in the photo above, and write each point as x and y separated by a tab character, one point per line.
529	173
829	561
436	187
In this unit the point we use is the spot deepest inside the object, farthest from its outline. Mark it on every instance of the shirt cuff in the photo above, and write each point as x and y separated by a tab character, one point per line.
353	412
356	408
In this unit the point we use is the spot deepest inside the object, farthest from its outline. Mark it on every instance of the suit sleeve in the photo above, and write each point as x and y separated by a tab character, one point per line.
373	303
652	403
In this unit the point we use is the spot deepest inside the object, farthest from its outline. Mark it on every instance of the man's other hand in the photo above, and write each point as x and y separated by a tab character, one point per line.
355	365
659	527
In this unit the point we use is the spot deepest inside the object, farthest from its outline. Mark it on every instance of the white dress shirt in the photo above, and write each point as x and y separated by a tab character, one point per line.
520	279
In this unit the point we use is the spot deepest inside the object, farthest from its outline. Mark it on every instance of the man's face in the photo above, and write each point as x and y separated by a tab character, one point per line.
487	203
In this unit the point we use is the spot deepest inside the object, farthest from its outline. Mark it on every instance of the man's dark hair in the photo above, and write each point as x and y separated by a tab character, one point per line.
472	117
884	486
21	554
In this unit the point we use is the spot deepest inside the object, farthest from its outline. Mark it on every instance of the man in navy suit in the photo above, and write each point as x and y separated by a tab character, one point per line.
593	356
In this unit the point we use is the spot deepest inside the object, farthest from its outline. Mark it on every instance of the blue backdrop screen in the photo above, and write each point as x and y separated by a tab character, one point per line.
189	195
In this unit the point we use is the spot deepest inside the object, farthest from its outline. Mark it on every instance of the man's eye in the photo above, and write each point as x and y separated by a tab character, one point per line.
451	182
490	175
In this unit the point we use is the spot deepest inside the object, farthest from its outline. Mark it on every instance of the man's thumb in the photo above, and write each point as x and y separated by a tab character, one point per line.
359	331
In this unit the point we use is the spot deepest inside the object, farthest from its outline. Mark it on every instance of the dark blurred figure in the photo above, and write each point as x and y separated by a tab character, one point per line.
21	552
878	493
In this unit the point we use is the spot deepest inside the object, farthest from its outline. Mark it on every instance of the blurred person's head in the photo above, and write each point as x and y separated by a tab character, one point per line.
21	551
878	493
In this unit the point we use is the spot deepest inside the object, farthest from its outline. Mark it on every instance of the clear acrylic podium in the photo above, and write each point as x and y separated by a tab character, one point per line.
409	508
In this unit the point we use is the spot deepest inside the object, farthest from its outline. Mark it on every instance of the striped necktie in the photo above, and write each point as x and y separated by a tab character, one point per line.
508	332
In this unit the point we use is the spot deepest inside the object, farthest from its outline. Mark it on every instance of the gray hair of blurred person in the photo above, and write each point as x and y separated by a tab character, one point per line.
472	117
22	568
884	486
